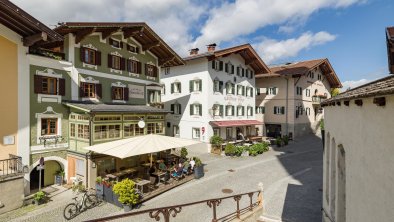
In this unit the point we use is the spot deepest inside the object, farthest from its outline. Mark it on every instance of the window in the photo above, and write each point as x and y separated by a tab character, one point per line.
176	109
216	131
308	111
299	90
271	91
217	65
229	110
196	109
217	110
132	48
154	96
240	111
229	133
240	90
72	130
250	111
163	89
89	90
150	70
133	129
107	131
116	62
176	87
240	71
83	131
196	133
107	118
90	56
229	68
116	43
216	86
118	93
249	91
48	126
175	130
279	110
167	71
49	85
319	77
114	131
308	92
248	131
195	85
230	88
100	132
260	109
133	66
80	167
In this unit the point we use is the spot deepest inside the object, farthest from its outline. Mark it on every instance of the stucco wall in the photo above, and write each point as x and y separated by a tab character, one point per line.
11	193
366	135
8	96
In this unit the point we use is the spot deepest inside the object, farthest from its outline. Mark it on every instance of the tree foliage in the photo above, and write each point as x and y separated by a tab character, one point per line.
335	92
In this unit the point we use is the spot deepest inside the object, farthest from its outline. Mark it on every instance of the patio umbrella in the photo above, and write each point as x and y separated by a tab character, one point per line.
139	145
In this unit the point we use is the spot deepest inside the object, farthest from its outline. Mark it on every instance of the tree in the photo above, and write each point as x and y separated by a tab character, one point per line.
334	92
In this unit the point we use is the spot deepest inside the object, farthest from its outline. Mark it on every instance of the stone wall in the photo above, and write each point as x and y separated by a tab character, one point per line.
11	193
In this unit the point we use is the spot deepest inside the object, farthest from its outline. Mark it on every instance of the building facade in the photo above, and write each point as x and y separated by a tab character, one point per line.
288	99
213	94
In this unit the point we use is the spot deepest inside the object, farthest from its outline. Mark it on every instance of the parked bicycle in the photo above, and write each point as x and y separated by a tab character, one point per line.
88	201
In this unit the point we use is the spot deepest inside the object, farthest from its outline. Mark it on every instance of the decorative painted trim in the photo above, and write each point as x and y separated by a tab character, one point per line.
119	84
151	63
48	113
49	98
89	65
112	77
134	74
118	101
116	53
116	71
55	158
151	78
89	79
90	99
134	58
90	46
49	73
47	148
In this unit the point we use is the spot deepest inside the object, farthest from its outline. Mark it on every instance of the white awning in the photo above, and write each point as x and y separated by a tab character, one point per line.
140	145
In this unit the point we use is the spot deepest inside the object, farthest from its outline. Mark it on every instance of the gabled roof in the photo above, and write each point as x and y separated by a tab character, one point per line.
27	26
140	31
380	87
390	48
246	51
302	68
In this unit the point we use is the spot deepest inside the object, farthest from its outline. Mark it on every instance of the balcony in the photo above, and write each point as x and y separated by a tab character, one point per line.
47	53
317	99
11	167
159	105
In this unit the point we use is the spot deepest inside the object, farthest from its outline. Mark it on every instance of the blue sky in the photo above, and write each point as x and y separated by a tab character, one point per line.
350	33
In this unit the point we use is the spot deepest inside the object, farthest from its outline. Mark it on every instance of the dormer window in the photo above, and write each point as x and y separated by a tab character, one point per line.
150	70
132	49
116	43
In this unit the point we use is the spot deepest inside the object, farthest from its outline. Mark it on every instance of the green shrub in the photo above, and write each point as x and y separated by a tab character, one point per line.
40	195
253	151
126	192
278	141
184	152
239	150
198	161
99	180
286	140
230	149
216	141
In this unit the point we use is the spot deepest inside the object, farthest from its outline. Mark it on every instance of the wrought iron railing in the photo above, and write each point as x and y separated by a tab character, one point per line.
47	53
173	211
11	166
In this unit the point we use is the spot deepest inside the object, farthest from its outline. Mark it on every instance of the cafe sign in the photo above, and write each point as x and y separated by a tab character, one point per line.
136	91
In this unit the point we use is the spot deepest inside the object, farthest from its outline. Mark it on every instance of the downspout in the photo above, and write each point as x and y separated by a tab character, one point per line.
287	106
88	155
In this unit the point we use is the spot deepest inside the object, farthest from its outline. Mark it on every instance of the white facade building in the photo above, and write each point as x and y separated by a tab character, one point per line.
214	93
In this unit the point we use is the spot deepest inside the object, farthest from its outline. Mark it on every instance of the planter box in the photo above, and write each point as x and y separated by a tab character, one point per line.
198	172
108	194
100	190
116	201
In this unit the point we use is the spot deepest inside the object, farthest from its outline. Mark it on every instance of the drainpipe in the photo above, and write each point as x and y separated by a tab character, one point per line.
287	106
88	155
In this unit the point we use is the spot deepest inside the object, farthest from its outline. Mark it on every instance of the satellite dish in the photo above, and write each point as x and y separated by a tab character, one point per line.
141	124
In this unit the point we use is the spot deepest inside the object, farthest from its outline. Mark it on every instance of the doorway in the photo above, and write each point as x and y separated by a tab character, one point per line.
273	130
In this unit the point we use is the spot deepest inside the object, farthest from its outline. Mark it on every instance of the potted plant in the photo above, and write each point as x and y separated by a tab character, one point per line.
286	140
59	177
127	194
216	142
39	197
278	142
184	153
198	168
230	149
99	187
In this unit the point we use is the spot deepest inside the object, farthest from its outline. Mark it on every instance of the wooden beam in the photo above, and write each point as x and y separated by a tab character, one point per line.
165	60
380	101
106	33
250	61
130	32
80	35
30	40
150	45
358	102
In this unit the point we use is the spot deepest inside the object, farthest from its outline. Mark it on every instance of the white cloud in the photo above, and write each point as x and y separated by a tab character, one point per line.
242	17
272	50
354	83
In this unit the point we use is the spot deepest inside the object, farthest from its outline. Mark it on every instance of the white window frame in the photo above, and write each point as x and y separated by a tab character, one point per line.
177	109
196	133
177	86
216	85
196	109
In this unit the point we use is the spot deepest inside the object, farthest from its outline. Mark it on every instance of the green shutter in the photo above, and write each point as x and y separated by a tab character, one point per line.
213	64
200	109
233	110
172	87
221	110
243	90
191	85
200	85
172	108
221	86
191	109
180	87
220	65
282	110
274	109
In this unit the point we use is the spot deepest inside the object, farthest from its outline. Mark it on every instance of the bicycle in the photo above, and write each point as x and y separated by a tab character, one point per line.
88	201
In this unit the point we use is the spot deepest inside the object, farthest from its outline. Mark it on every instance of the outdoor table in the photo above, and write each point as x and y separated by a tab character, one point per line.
160	175
111	176
140	183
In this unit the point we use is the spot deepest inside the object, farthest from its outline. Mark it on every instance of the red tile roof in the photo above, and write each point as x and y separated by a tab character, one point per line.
228	123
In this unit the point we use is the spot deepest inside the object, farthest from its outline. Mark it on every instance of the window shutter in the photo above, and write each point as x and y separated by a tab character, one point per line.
146	69
232	110
139	67
221	110
180	87
112	92
282	110
191	109
98	58
200	105
121	44
155	71
220	65
274	109
251	74
172	87
110	41
81	91
122	63
221	86
267	91
109	61
82	54
128	47
126	94
128	64
62	87
200	89
213	64
98	91
172	108
191	85
232	69
238	71
180	108
37	84
226	67
137	50
243	72
243	90
251	111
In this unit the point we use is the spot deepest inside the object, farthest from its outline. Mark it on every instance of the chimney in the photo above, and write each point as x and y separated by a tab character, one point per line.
194	51
211	47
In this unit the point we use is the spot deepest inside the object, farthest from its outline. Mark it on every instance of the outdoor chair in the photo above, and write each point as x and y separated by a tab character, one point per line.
152	185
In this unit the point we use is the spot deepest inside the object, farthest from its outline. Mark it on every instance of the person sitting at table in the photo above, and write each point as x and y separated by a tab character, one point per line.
186	166
152	171
162	166
192	163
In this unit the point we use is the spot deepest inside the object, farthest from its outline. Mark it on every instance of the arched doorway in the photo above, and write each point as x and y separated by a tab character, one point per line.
51	166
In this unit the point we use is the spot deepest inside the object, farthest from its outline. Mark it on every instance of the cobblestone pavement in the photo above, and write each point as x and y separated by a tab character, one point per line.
292	178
